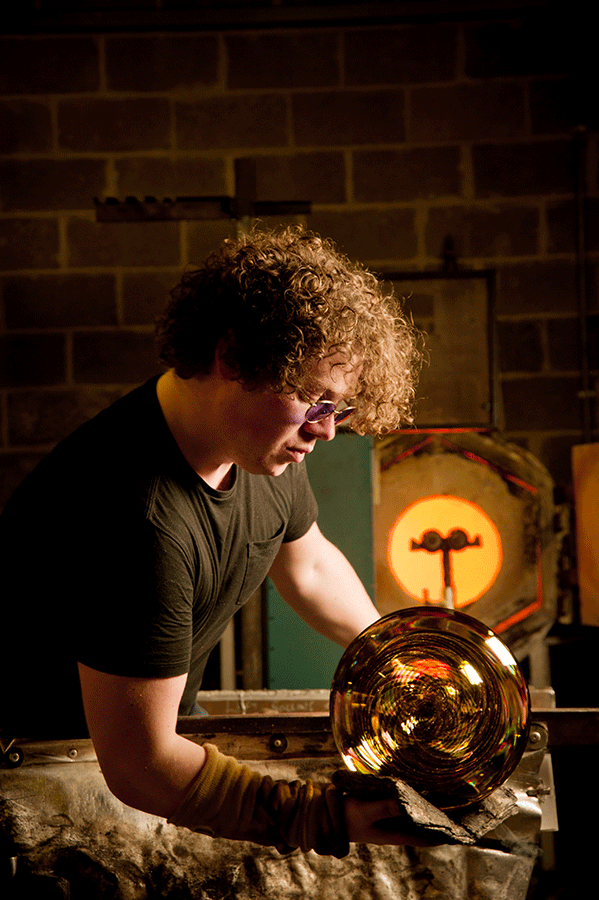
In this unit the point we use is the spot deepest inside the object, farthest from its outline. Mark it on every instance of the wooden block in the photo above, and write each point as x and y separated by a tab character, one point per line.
585	467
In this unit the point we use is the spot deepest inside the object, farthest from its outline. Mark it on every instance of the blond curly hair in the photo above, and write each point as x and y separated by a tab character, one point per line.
282	300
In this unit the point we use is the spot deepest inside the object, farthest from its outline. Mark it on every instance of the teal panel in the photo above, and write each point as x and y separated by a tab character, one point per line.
340	474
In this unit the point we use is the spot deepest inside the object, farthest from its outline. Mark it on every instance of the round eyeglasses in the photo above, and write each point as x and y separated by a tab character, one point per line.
325	408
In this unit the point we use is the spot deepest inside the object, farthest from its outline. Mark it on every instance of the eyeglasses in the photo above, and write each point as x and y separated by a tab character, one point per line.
325	408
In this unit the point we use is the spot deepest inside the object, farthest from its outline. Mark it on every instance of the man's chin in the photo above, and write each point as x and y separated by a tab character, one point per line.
278	469
267	468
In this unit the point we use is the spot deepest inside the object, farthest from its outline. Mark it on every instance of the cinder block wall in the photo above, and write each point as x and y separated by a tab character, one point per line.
401	135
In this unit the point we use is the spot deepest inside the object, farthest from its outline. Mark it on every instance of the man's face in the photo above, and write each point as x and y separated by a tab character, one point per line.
270	430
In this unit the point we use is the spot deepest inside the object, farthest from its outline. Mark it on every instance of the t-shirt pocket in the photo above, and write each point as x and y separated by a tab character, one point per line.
259	558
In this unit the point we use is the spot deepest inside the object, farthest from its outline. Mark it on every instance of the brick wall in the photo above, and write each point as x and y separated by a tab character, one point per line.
400	135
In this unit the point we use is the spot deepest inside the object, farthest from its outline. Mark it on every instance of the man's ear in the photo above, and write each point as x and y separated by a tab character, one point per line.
224	365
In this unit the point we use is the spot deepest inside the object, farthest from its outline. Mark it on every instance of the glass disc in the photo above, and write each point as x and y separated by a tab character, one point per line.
433	697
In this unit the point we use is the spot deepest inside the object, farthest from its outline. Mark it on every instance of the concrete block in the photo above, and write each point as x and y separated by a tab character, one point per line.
46	184
98	124
231	122
562	225
161	62
545	403
537	287
484	232
49	65
145	295
414	174
554	105
316	177
122	244
141	177
348	117
25	126
283	59
467	112
520	346
565	344
516	170
370	234
400	55
204	237
114	357
59	301
28	243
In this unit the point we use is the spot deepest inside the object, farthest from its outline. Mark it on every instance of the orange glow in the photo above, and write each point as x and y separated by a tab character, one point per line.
421	571
417	668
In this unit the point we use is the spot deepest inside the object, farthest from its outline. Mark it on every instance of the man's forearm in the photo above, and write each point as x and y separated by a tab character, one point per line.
329	596
156	785
132	723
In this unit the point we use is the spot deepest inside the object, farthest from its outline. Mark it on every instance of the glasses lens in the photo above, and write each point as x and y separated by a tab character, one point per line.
344	414
320	411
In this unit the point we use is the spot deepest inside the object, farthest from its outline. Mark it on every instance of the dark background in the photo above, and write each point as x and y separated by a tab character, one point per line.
415	129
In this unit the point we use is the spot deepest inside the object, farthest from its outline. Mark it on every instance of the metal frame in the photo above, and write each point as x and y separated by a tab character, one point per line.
305	735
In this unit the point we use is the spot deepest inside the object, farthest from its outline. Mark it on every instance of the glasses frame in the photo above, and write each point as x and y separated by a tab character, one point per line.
322	409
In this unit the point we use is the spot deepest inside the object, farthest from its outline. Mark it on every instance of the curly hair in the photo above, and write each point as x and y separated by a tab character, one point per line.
282	301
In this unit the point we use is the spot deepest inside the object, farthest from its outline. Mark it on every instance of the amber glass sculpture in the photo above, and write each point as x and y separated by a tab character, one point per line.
435	698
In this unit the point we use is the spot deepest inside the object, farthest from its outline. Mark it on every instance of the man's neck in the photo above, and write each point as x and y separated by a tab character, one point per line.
190	408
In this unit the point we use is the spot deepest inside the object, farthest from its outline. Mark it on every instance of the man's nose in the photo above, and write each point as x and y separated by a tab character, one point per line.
324	429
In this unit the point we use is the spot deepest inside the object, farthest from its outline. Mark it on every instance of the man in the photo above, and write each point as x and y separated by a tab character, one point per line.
132	544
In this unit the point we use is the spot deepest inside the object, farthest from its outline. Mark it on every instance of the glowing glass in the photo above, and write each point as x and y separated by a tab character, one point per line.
433	697
468	544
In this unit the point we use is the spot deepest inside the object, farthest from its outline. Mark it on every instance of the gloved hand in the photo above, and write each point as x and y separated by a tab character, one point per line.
227	799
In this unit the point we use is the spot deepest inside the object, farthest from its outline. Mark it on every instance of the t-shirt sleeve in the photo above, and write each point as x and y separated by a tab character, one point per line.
138	619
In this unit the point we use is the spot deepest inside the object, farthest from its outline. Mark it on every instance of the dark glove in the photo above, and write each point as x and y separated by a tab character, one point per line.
229	800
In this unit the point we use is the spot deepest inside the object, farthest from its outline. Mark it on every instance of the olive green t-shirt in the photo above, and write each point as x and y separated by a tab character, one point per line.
116	554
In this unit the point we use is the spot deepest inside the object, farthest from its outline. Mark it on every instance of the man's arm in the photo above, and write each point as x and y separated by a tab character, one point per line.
132	724
147	765
317	581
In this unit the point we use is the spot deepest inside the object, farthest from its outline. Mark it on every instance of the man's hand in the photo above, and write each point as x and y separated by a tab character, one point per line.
381	822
